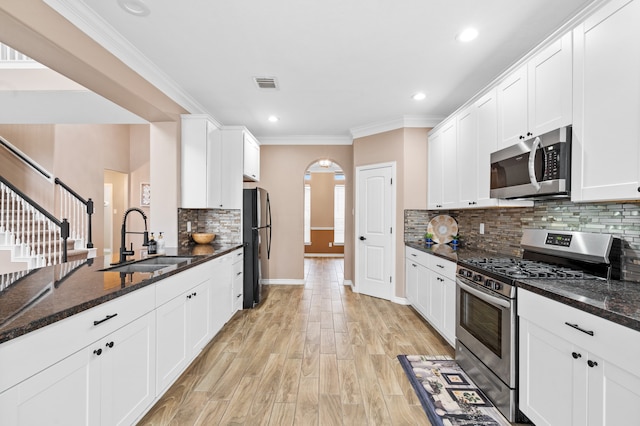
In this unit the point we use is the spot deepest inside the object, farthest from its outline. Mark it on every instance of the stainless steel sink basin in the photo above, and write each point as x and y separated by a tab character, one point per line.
135	267
165	260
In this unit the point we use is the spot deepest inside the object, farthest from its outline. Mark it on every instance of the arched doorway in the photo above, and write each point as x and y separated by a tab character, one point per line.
324	211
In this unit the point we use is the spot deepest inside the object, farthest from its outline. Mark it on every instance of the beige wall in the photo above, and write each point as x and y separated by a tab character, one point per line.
407	148
322	185
282	170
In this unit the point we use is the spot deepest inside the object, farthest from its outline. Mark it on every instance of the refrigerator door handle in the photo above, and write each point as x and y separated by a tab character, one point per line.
269	226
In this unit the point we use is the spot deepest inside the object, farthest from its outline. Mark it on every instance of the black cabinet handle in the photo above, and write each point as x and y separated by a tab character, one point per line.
414	265
440	266
109	344
362	238
98	352
188	296
529	134
239	273
589	332
521	137
576	355
107	318
239	295
592	363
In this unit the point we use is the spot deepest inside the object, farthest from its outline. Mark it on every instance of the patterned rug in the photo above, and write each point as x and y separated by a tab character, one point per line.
447	394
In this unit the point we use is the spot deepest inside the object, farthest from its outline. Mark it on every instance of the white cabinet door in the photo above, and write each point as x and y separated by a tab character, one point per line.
221	303
171	341
487	142
423	291
467	161
199	317
614	394
548	386
231	165
251	158
606	132
127	371
449	175
411	280
200	159
67	393
513	109
435	309
549	95
435	170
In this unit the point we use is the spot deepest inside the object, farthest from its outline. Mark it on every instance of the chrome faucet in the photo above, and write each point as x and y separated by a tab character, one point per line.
123	232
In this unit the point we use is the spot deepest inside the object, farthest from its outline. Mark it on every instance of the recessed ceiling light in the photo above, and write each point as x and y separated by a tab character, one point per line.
419	96
467	35
134	7
273	119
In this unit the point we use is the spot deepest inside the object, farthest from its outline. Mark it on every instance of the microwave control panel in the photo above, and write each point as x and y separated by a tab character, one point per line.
553	158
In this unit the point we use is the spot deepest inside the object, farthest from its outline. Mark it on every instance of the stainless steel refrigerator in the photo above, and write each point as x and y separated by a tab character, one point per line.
256	235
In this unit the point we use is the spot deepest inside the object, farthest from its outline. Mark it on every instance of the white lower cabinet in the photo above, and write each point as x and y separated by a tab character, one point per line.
238	280
431	290
107	365
110	382
183	327
569	377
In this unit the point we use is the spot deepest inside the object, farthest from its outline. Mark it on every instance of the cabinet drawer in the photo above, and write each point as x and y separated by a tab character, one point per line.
442	266
26	355
173	286
612	341
237	255
417	256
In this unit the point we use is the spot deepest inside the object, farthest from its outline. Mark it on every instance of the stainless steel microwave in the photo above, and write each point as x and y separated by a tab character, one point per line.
539	167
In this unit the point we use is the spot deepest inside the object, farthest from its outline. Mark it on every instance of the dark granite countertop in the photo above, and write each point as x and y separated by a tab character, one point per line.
614	300
41	298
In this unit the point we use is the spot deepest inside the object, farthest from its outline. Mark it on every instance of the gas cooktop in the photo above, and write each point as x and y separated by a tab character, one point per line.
522	268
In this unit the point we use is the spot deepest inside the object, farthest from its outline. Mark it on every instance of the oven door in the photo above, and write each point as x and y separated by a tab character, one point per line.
485	324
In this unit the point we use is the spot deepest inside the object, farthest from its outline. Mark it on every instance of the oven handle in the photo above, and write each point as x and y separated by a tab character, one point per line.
484	296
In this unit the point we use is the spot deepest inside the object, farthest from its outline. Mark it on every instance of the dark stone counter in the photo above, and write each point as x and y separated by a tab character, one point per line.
614	300
42	297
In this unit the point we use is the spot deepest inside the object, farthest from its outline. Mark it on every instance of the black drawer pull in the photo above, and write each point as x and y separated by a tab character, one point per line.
239	273
589	332
576	355
592	363
439	266
107	318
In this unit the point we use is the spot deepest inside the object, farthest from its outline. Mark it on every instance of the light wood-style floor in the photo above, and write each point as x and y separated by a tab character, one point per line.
317	354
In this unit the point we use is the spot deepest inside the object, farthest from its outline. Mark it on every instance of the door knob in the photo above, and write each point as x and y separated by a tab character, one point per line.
362	238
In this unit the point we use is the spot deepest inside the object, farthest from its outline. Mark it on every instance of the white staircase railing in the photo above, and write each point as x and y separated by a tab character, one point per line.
32	236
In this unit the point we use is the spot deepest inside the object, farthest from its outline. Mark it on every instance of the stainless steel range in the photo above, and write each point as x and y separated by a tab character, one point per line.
486	315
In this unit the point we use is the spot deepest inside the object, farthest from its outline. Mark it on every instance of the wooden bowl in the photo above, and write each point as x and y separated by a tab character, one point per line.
202	237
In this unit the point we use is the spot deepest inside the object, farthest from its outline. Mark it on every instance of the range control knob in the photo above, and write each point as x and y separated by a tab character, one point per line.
497	286
465	273
489	283
478	278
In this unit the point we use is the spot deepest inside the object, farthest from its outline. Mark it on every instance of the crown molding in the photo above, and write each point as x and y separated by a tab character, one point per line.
394	124
305	140
104	34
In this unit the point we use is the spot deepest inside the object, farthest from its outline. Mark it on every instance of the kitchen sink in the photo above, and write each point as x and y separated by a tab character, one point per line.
135	267
165	260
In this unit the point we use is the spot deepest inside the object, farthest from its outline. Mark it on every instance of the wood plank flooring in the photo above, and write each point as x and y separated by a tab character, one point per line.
317	354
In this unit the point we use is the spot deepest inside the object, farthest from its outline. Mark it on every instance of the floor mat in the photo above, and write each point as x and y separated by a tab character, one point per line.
447	394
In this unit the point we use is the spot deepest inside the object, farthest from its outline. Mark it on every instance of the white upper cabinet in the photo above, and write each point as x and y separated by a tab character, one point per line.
549	76
606	132
442	168
251	158
211	166
468	161
512	108
435	170
536	98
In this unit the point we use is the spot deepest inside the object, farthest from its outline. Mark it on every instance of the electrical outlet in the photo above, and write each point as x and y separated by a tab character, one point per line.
482	228
188	226
330	244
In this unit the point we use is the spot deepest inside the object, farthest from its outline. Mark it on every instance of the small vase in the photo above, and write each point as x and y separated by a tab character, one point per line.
428	241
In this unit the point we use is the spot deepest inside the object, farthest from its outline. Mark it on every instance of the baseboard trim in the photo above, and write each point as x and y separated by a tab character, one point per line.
350	284
283	281
401	301
324	255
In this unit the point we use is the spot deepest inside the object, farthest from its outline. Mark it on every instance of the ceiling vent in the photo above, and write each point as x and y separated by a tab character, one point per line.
266	82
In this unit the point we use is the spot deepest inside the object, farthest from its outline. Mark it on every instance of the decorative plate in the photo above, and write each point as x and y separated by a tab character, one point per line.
442	227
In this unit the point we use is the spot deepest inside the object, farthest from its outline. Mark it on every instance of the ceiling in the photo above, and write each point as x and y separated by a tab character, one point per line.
340	65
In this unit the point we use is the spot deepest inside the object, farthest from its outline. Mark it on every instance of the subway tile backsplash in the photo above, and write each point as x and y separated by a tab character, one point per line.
226	224
503	226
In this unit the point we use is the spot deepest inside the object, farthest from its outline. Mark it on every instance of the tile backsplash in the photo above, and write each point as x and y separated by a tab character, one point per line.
226	224
503	226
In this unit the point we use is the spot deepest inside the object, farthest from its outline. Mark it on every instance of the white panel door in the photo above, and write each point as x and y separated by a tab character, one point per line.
375	206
